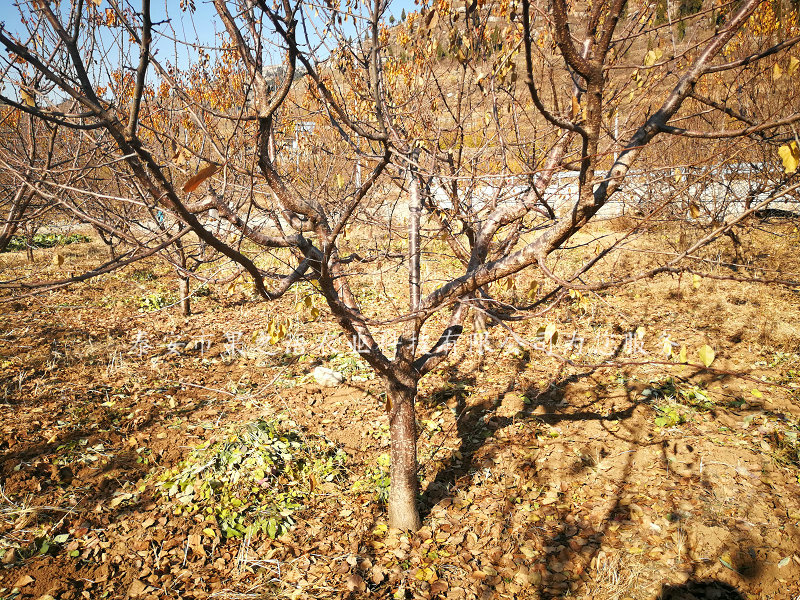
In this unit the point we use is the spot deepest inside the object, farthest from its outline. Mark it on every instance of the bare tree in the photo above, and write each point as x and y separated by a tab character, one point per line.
469	117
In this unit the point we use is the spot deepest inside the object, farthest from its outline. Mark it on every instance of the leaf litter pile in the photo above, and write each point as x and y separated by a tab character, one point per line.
171	457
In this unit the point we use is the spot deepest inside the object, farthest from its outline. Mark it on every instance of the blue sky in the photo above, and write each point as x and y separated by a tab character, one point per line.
202	26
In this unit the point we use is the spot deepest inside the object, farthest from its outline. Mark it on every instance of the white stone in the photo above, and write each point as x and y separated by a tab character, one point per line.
327	377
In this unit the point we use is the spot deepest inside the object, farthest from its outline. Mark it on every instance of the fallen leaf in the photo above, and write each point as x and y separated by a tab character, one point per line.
137	588
356	583
438	587
726	561
23	581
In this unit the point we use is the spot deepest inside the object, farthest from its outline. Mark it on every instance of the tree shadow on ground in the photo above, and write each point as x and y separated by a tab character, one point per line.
558	543
700	590
473	429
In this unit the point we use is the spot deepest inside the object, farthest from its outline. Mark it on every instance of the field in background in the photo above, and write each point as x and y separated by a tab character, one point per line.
154	456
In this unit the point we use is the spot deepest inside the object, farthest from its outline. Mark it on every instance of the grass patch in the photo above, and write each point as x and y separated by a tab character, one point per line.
45	240
253	481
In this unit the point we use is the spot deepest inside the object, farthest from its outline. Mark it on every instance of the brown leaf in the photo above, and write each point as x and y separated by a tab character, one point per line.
438	587
377	574
201	176
182	156
355	582
23	581
137	588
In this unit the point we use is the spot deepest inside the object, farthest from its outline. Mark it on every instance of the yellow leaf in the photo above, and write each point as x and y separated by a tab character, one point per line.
682	358
650	58
549	332
677	175
756	393
706	354
790	154
339	181
201	176
777	72
727	561
27	98
696	281
793	65
640	331
181	156
667	348
694	210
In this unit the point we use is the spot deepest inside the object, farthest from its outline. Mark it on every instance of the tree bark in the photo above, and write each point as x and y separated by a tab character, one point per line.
18	206
186	305
29	233
403	511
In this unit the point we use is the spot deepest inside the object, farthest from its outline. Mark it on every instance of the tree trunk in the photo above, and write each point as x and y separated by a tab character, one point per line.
403	512
29	244
18	206
185	298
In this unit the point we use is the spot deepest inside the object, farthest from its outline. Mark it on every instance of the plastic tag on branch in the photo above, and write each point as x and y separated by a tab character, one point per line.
790	154
201	176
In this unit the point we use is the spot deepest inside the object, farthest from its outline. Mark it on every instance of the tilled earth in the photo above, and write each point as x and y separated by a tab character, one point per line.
631	479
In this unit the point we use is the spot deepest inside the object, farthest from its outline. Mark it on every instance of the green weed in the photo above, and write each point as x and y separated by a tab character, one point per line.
376	480
155	301
254	480
45	240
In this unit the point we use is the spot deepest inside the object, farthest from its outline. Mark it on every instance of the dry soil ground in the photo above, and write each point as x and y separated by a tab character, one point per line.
632	478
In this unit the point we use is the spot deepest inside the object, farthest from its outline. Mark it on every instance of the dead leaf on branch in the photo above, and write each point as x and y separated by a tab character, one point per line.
201	176
27	98
790	154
